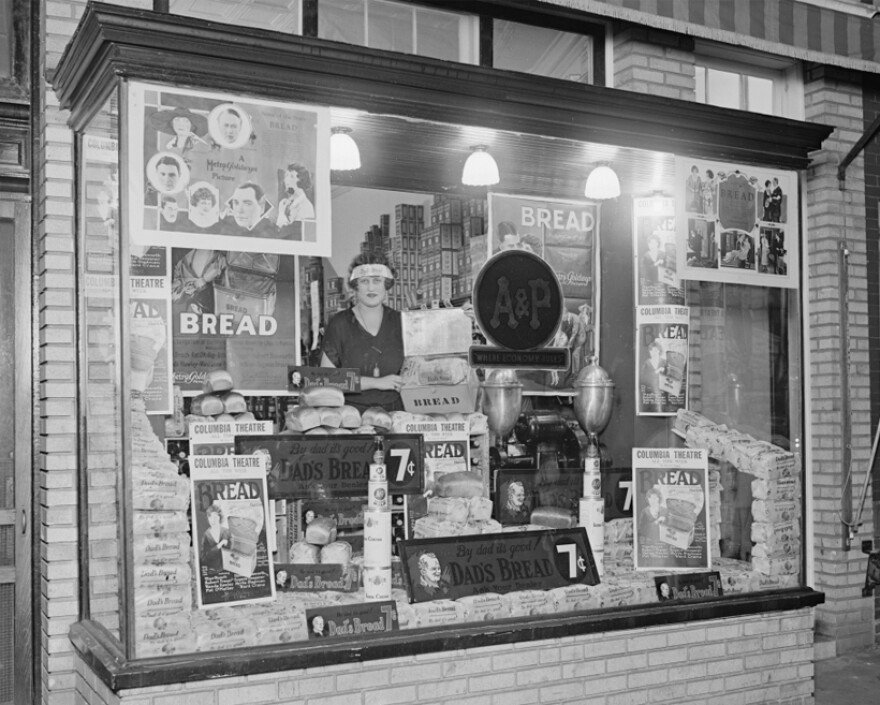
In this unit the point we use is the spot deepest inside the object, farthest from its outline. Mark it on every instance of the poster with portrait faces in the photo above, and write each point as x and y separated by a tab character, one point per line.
736	223
222	172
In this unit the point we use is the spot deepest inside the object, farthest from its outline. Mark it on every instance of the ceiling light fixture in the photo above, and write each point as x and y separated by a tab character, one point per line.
344	152
602	183
480	168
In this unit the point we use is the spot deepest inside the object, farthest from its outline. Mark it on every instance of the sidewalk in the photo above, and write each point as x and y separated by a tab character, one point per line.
849	679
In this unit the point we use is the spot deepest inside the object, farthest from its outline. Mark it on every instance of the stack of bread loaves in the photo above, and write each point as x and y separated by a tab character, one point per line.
218	401
161	545
457	508
323	411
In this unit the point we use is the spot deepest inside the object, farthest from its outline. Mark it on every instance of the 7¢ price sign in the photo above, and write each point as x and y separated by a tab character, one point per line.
404	463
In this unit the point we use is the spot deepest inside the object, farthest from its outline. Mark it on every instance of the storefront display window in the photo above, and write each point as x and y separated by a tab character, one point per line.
645	434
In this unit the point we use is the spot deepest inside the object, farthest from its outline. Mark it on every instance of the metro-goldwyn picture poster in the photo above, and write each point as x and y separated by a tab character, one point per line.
227	172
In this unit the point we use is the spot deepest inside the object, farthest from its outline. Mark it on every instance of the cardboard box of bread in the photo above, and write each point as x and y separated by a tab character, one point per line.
437	378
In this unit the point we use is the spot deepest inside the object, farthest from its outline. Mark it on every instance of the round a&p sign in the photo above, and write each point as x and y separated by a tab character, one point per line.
518	300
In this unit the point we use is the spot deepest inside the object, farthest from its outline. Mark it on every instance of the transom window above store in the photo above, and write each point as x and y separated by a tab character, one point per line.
528	43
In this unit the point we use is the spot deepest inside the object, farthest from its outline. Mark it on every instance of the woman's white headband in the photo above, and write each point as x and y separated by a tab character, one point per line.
371	270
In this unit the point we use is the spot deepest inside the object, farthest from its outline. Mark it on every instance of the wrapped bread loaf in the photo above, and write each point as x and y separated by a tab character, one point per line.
246	416
459	484
207	405
443	370
217	381
302	418
225	418
338	552
321	531
376	416
351	417
454	509
315	395
233	403
553	518
480	508
331	417
302	552
319	431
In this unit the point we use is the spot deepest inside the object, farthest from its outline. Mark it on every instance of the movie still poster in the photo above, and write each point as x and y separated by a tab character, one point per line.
234	311
230	515
654	245
564	234
736	223
661	359
221	172
671	518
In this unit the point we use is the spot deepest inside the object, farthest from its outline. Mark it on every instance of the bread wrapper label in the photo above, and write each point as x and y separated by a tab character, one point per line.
485	607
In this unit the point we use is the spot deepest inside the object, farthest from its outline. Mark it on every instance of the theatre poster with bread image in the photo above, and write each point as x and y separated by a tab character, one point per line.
229	525
671	500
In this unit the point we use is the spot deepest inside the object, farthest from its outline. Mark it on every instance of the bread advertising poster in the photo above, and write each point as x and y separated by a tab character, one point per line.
654	247
736	223
563	233
230	520
661	359
671	509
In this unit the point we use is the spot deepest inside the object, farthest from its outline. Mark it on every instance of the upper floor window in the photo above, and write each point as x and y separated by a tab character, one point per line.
730	78
396	26
277	15
542	51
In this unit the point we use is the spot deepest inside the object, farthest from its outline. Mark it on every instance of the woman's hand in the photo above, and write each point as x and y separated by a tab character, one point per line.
389	382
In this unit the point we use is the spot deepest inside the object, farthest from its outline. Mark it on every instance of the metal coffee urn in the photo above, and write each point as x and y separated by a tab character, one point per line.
594	396
502	400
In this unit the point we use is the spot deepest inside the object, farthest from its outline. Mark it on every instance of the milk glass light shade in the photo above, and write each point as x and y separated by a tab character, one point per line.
480	168
344	152
602	183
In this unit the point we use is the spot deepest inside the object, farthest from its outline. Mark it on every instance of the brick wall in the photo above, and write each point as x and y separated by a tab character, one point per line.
871	102
654	62
757	659
56	461
832	215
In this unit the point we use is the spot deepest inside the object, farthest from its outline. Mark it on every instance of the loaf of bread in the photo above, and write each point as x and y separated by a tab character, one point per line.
302	418
302	552
233	403
376	416
225	418
331	417
207	405
338	552
217	381
443	370
351	417
315	395
321	531
246	416
319	431
459	484
454	509
553	518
